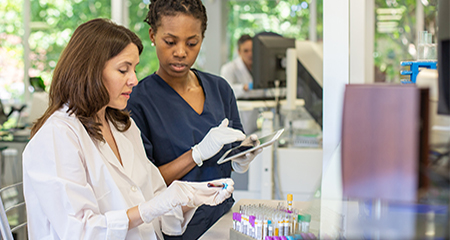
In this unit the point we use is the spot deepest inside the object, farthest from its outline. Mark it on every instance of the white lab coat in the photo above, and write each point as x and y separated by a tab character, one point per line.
237	75
75	187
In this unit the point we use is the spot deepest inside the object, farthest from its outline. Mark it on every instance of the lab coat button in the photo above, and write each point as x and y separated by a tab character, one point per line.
134	188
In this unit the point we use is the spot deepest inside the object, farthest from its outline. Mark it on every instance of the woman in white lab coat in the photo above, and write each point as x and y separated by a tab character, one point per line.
85	172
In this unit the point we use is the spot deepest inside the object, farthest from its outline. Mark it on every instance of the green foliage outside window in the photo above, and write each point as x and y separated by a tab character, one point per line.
289	18
11	49
399	45
52	25
148	59
53	22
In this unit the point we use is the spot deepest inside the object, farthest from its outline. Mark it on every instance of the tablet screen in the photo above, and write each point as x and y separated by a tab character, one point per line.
242	150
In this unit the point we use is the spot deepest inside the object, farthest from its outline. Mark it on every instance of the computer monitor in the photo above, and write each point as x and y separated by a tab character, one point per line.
3	116
444	57
269	60
310	90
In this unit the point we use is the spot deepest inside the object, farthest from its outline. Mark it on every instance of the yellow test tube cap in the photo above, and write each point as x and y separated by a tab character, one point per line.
289	197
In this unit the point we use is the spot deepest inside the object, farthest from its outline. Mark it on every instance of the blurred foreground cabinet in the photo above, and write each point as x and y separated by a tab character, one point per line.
385	132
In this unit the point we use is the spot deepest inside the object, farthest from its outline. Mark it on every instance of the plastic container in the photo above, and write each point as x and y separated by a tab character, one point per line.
426	49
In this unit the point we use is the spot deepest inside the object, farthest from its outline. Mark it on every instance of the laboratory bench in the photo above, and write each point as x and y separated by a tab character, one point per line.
355	219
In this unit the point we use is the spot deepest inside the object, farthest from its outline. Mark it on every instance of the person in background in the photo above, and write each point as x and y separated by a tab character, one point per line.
188	118
85	171
238	72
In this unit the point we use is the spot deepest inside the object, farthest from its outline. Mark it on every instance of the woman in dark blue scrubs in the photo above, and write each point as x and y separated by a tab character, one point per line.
188	118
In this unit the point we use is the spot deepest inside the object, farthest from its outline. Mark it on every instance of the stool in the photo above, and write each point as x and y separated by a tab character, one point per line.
8	155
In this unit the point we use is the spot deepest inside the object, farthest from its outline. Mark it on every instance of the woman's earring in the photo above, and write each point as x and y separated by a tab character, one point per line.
153	44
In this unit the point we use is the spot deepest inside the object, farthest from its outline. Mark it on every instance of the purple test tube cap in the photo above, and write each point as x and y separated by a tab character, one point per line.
311	236
251	220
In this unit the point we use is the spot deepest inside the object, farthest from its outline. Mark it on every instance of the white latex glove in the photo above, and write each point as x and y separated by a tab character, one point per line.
180	193
214	141
212	195
240	164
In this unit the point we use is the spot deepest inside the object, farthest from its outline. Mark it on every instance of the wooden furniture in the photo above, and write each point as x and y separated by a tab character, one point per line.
384	141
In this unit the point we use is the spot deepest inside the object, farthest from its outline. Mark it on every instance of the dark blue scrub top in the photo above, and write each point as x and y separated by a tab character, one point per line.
170	127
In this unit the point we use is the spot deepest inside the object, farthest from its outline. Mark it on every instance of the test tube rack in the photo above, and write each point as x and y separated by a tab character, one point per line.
235	235
414	69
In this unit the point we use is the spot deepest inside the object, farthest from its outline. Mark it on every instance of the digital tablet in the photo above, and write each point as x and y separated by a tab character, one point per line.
242	150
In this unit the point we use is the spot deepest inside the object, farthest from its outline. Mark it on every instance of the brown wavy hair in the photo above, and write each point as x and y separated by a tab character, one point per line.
77	78
159	8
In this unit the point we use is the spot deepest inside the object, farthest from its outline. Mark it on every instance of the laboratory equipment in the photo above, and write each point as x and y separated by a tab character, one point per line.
414	68
426	58
269	60
426	49
444	57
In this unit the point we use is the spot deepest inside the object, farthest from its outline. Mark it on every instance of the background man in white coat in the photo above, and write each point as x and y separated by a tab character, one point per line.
238	72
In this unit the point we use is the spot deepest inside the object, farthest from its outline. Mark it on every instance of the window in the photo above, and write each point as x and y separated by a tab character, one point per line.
148	60
289	18
51	25
396	35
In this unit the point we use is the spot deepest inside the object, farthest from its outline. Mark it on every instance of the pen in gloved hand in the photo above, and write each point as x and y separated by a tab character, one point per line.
222	185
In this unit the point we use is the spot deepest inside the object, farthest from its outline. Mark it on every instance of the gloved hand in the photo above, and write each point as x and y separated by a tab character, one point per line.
240	164
178	193
210	195
214	141
181	193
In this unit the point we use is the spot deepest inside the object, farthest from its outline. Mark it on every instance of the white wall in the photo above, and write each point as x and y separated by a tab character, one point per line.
336	73
213	52
348	46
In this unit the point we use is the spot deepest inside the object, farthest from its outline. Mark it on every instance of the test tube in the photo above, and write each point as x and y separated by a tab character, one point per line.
265	226
251	229
238	222
306	219
289	202
280	224
244	220
298	230
294	224
259	226
270	231
287	224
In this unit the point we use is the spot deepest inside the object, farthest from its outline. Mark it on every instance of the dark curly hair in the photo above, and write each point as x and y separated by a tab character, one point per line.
159	8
